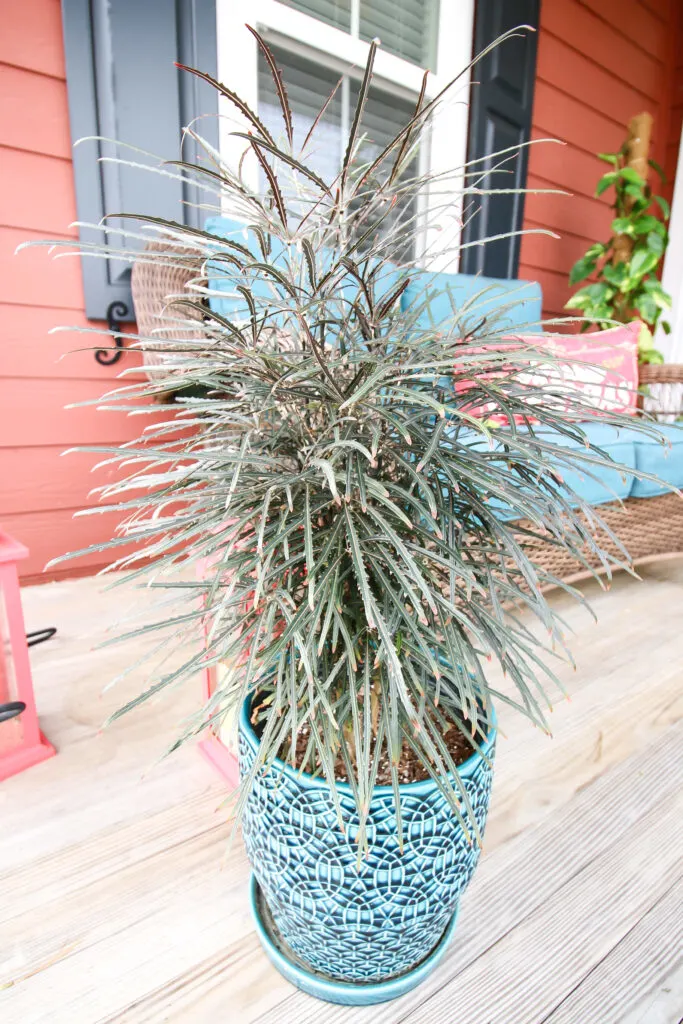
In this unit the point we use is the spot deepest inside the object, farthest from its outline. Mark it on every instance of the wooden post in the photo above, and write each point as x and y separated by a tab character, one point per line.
637	151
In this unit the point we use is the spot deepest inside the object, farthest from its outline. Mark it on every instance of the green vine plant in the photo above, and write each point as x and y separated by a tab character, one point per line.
338	527
627	289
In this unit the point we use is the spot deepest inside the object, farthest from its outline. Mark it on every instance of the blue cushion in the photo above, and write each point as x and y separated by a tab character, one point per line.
223	278
652	456
516	304
611	483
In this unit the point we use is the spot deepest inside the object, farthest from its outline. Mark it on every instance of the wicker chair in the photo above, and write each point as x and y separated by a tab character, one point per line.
154	286
649	528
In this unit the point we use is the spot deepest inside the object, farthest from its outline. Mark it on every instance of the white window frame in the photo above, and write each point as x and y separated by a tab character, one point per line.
672	274
307	36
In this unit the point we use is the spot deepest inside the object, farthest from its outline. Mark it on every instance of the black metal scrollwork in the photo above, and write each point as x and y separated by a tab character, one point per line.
17	707
39	636
11	710
109	356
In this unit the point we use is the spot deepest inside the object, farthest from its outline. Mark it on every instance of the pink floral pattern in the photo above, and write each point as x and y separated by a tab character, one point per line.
602	365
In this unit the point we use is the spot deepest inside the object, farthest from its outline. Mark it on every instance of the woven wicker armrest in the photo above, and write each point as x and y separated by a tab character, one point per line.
662	390
664	373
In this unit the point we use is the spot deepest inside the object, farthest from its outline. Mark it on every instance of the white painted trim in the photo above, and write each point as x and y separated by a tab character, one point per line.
672	277
310	32
448	148
237	68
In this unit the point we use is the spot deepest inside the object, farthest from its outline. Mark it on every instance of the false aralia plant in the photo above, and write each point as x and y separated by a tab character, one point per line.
366	538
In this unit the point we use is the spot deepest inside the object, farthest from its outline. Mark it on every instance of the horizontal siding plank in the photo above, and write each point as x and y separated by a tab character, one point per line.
555	286
49	535
563	117
599	63
42	196
566	167
56	574
580	28
33	413
632	21
671	161
45	479
660	8
585	217
584	239
551	253
38	293
34	112
561	66
677	91
27	349
31	37
34	277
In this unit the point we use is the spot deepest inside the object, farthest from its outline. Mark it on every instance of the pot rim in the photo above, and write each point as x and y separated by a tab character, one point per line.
465	770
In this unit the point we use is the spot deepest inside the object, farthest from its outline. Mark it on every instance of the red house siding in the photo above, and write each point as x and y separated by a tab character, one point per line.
39	490
599	63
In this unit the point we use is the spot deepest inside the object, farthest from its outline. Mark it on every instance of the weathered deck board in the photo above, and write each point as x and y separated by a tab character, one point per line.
641	978
525	975
121	905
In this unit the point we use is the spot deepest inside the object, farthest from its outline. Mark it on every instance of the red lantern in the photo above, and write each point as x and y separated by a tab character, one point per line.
221	757
22	744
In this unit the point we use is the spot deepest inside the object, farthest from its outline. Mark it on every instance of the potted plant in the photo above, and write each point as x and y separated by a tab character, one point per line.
366	488
626	270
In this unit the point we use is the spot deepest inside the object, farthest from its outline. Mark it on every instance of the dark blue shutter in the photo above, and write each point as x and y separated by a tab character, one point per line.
500	116
123	85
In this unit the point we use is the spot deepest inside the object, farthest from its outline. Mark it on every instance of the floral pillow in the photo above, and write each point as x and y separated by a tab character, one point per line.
603	366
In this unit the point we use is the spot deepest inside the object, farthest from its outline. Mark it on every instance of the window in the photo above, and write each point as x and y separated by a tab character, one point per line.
318	41
407	28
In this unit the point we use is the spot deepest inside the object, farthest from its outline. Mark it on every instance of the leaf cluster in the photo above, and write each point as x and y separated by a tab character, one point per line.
630	289
363	542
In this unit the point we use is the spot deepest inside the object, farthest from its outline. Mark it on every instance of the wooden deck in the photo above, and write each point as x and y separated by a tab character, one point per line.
119	903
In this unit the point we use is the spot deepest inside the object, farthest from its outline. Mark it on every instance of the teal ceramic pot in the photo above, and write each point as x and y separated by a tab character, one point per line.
348	993
376	923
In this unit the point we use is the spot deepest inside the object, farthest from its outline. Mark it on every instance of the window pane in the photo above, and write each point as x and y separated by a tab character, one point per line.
383	118
334	12
308	86
407	28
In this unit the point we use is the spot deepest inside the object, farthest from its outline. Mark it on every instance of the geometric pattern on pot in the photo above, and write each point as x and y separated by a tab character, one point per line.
377	922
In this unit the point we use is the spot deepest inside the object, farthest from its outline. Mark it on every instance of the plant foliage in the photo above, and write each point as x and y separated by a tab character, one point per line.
365	540
630	289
